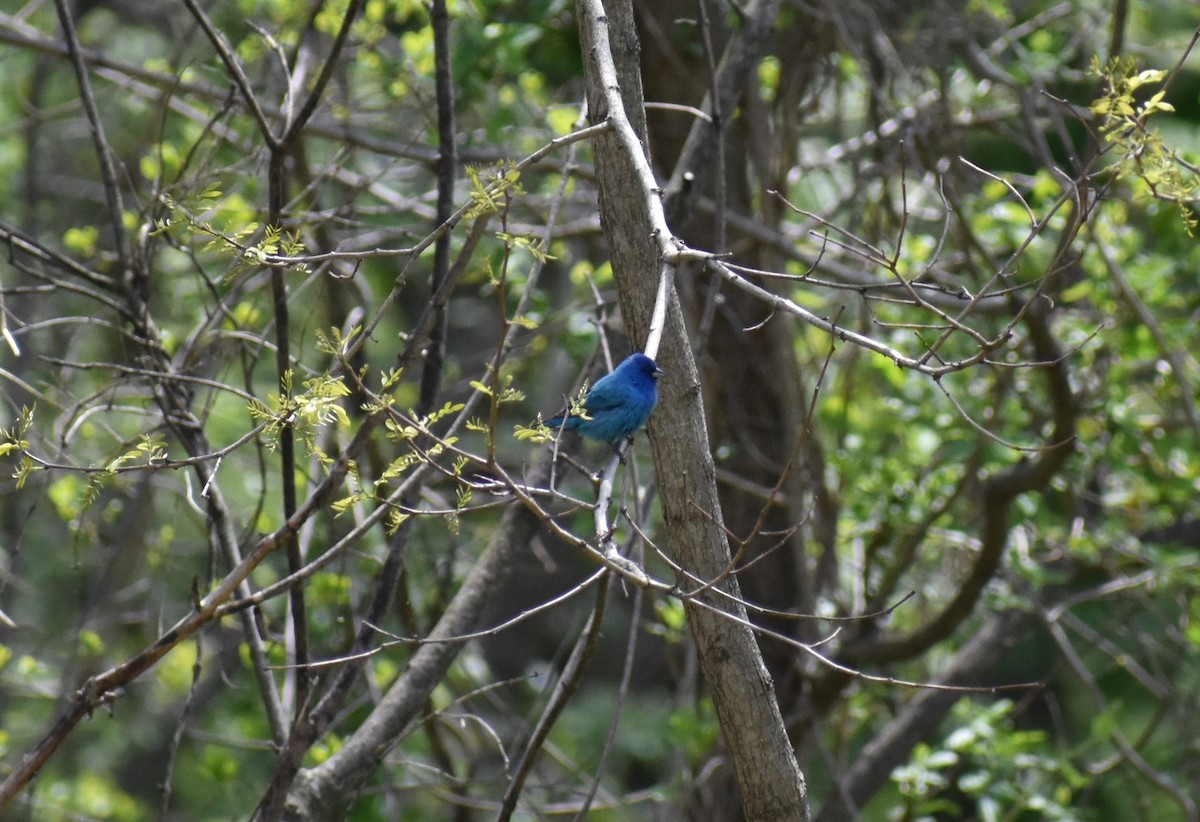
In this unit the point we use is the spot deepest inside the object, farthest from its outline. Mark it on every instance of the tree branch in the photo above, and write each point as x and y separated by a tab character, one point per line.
319	792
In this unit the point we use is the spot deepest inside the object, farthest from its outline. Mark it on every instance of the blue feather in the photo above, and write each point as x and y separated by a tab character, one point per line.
618	404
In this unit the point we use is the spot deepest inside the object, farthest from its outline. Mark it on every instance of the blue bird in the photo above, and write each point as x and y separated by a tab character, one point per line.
618	404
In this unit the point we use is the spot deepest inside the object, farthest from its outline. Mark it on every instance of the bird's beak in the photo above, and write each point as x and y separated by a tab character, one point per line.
658	372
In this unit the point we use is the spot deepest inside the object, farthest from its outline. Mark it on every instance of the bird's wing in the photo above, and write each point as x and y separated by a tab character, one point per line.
607	394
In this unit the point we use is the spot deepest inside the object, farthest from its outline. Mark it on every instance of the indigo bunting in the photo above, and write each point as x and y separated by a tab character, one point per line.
618	404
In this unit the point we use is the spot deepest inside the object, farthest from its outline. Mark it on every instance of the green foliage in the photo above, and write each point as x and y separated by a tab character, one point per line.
175	673
506	394
1141	151
238	239
13	442
307	413
536	433
490	189
90	795
1000	772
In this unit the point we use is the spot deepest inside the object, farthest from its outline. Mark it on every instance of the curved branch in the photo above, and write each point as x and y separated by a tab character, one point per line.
999	493
234	67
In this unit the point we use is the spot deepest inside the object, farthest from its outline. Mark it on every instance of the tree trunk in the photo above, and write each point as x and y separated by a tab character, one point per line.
771	783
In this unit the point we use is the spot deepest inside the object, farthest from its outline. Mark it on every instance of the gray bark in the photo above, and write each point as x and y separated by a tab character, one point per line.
770	780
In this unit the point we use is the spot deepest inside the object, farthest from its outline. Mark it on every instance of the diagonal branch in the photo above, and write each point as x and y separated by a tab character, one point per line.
319	792
698	158
108	173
